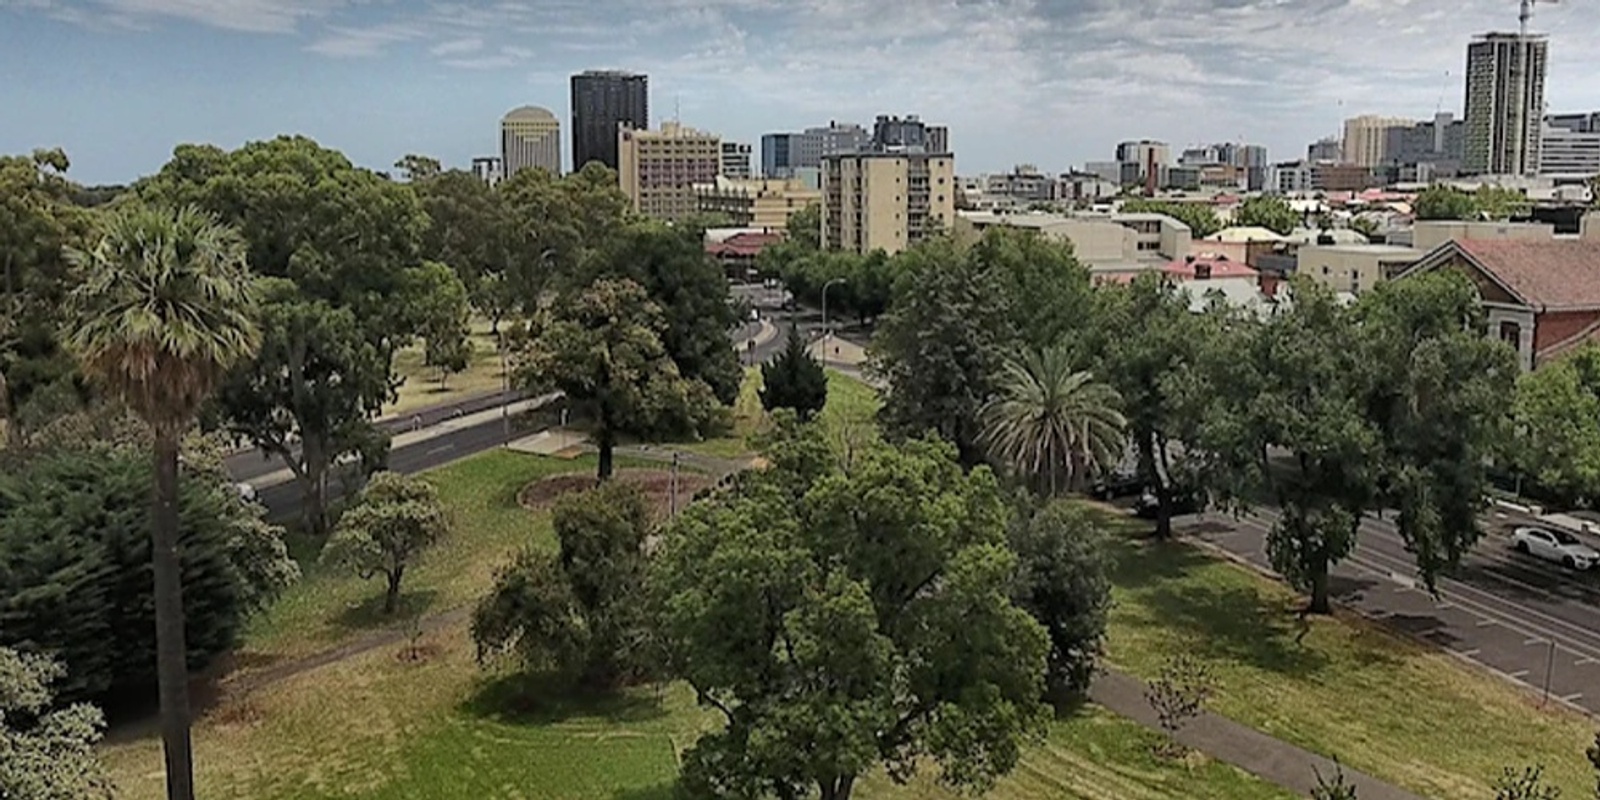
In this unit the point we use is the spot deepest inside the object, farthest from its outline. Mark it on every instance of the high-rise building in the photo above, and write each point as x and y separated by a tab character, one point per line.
487	169
1366	138
1505	103
888	194
1569	152
735	160
778	151
658	170
602	101
938	138
1326	149
838	137
530	136
1577	123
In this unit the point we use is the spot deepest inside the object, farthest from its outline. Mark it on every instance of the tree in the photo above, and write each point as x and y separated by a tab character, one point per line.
1202	221
805	227
342	246
470	228
1297	385
1365	226
941	345
1267	211
579	612
794	380
396	519
1440	397
1178	695
1440	201
1333	787
165	310
77	582
691	292
1062	561
1498	203
1594	758
1052	425
1525	785
418	168
602	347
445	319
1556	413
864	621
46	753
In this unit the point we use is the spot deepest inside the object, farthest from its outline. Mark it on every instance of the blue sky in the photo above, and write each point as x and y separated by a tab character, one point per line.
1050	82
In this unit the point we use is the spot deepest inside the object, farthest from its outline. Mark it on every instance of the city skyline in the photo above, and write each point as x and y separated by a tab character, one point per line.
1016	81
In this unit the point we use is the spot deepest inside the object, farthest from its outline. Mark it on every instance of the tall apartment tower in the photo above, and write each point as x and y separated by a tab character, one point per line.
658	170
778	154
603	100
1366	138
530	137
1505	103
888	194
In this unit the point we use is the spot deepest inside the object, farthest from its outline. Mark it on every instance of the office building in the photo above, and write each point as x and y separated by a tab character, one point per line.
815	144
1437	142
939	138
735	160
765	203
1143	161
778	154
487	169
1505	104
658	170
530	136
888	194
1289	177
1366	138
1024	183
1108	171
1577	123
1568	152
603	101
1329	177
1328	149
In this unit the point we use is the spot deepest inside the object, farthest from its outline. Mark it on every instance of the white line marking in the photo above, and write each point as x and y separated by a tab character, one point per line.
1485	623
1583	662
1533	640
1571	697
1519	674
1468	653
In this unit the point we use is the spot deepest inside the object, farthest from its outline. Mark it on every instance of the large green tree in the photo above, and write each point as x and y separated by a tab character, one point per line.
1440	201
470	229
1267	211
1557	417
794	380
602	347
444	319
166	308
1440	394
1051	425
688	288
343	244
579	612
1500	203
395	520
46	752
849	621
1063	558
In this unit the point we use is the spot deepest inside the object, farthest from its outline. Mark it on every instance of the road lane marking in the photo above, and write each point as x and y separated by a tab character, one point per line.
1485	623
1467	653
1584	662
1534	640
1519	674
1571	697
440	449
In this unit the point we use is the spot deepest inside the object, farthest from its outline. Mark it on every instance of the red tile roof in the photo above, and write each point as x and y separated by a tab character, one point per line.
1560	274
743	244
1221	267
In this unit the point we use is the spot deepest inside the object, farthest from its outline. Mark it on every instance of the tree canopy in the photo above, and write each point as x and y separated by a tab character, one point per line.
794	380
1267	211
1557	417
46	752
845	621
395	520
1440	201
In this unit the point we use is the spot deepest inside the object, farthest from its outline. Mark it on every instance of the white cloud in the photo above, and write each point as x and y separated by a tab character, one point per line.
257	16
342	42
457	47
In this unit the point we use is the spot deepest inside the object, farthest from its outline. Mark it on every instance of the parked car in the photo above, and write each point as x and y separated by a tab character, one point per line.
1184	501
1555	545
247	492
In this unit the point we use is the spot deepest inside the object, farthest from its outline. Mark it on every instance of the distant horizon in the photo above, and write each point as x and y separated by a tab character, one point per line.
119	83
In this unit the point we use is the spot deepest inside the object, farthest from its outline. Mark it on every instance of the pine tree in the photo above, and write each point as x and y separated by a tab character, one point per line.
794	380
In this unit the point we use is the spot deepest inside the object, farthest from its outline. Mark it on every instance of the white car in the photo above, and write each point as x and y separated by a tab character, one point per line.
247	492
1555	545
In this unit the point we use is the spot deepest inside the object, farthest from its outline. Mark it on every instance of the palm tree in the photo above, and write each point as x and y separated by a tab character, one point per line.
164	310
1050	423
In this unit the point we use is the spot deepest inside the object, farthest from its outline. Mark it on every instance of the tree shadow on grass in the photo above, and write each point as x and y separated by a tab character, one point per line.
544	699
660	791
368	614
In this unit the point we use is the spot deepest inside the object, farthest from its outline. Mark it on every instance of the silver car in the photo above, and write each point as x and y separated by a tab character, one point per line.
1555	545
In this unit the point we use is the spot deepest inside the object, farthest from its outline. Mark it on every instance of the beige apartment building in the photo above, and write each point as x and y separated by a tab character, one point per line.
886	200
658	170
1366	138
764	203
1354	268
1428	234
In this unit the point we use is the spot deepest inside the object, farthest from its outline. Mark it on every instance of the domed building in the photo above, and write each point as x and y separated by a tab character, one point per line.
530	136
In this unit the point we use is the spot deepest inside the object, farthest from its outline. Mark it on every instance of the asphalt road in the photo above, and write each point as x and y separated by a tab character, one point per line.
1531	621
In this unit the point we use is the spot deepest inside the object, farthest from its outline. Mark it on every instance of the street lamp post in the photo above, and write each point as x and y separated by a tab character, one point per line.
825	331
505	389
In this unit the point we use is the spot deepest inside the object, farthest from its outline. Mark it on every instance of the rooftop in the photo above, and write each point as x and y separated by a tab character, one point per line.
1358	248
1554	274
1245	234
1220	267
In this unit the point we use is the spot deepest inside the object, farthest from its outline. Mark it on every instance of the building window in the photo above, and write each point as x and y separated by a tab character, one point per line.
1511	333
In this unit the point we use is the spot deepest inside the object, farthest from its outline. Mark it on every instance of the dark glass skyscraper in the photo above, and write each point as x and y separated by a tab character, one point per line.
600	101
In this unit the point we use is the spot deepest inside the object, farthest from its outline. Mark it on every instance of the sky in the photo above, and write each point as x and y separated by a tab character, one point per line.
1054	83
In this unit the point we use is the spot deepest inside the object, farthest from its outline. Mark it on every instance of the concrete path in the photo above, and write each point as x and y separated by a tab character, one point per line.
1251	750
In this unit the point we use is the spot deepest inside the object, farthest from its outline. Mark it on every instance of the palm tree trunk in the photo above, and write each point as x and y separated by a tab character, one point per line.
172	668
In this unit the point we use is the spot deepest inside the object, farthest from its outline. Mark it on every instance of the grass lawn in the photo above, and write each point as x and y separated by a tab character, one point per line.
1411	715
849	416
421	388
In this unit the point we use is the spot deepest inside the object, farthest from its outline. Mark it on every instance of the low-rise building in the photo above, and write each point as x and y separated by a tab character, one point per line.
1354	268
737	253
1157	234
1540	297
1428	234
762	203
1095	242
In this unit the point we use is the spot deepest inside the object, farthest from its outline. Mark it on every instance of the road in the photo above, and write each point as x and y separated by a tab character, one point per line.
1531	621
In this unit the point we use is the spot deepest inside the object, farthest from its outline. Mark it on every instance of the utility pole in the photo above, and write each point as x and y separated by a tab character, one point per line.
825	331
